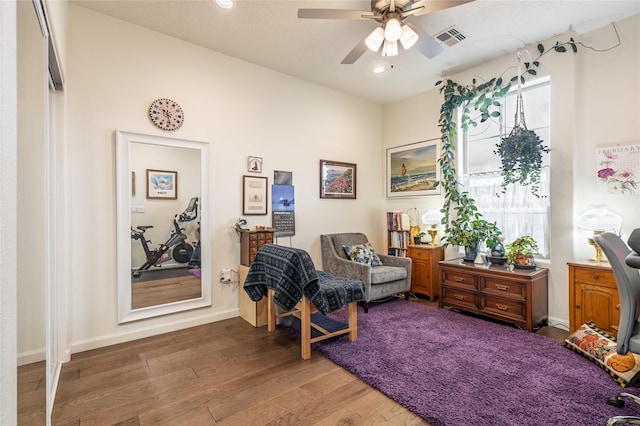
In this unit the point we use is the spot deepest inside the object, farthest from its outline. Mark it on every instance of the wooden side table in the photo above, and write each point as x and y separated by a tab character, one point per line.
593	296
425	273
255	313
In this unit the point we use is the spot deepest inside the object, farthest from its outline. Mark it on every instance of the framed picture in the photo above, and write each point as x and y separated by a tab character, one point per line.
254	195
413	169
337	180
162	185
254	164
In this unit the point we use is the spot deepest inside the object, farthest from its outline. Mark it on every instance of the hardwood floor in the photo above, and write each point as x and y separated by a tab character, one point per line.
226	372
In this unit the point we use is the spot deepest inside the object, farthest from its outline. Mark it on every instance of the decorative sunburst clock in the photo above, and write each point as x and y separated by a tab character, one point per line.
166	114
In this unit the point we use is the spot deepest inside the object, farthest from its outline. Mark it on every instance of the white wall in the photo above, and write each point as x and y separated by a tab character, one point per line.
595	99
8	184
114	70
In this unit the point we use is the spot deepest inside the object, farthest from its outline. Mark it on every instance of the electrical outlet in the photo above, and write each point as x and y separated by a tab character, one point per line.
225	275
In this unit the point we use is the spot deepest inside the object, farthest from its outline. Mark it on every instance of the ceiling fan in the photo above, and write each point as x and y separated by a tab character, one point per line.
391	15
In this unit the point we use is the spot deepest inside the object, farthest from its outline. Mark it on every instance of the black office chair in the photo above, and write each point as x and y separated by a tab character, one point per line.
623	261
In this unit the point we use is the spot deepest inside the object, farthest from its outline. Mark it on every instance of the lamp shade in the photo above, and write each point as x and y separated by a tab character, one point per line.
432	217
408	37
390	48
599	218
392	30
375	39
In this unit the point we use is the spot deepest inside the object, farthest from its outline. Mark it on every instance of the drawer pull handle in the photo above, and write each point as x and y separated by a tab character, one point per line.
618	307
502	287
596	276
458	297
502	307
459	279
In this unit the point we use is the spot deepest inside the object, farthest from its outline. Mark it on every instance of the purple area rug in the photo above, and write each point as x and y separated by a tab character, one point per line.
452	369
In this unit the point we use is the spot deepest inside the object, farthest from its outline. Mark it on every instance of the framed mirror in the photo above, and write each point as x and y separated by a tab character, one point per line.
163	246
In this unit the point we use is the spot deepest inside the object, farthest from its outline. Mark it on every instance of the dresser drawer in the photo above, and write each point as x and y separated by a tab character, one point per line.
458	297
503	307
595	277
505	288
419	254
453	278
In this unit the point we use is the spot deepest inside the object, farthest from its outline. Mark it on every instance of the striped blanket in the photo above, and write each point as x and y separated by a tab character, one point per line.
291	274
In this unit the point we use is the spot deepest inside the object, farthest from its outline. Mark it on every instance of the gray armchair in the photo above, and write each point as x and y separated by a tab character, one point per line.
393	277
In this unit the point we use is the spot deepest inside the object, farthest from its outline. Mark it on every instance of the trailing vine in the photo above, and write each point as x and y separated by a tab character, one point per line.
460	215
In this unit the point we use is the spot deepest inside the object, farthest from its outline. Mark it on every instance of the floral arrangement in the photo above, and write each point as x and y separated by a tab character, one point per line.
619	181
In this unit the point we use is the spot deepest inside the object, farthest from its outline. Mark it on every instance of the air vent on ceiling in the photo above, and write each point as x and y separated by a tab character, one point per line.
451	36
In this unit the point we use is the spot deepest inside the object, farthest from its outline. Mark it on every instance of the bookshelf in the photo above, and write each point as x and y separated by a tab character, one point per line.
399	234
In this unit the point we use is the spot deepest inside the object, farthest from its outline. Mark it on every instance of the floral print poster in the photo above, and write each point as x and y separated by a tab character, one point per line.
618	169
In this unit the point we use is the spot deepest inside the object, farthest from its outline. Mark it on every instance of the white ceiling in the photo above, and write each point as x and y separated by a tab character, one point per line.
268	33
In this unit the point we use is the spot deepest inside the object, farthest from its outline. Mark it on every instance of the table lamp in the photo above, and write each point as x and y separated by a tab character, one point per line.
432	218
599	219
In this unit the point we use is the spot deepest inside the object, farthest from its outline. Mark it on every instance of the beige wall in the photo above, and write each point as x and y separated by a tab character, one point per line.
595	99
114	70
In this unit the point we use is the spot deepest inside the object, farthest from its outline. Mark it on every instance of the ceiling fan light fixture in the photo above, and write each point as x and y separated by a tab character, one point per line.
392	30
390	48
375	39
225	4
408	37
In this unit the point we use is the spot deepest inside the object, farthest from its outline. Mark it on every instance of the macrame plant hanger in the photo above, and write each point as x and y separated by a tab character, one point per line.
519	122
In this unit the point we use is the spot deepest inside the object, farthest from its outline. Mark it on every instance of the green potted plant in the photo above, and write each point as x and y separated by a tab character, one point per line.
520	252
469	230
417	239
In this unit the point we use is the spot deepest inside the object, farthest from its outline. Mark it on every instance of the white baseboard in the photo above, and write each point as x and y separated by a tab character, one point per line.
30	357
558	323
166	327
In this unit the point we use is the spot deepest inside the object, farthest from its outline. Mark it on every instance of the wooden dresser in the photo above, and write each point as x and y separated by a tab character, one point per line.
425	273
593	296
518	296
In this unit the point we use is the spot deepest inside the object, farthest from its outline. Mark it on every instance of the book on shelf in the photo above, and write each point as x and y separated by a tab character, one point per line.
398	221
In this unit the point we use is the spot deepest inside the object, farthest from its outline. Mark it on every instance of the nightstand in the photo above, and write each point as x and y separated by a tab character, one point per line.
593	296
425	274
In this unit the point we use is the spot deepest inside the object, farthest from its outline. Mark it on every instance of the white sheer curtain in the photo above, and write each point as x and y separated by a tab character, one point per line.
517	212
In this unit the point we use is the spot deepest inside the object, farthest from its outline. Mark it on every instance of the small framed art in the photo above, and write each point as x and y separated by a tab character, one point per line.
254	195
337	179
162	185
254	164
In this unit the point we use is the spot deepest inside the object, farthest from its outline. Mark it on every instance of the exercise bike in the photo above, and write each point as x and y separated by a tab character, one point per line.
181	250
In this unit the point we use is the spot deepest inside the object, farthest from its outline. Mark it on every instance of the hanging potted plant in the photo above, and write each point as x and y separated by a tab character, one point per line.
520	252
521	151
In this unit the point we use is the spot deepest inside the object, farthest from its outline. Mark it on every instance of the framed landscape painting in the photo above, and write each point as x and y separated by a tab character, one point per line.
413	169
337	180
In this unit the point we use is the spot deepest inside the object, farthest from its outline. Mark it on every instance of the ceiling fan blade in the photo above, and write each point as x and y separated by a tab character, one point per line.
426	44
425	6
333	14
355	53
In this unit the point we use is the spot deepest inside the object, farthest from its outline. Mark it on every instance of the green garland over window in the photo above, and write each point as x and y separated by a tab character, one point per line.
464	224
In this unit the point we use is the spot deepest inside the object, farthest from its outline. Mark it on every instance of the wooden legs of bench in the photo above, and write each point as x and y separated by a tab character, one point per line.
303	312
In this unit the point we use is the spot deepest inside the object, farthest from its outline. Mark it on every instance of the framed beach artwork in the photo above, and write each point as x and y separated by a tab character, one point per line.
413	169
337	180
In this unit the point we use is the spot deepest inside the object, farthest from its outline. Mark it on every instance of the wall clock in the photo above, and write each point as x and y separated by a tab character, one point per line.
166	114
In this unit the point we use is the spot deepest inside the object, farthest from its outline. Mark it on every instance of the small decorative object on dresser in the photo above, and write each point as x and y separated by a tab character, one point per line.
520	252
518	296
425	273
593	296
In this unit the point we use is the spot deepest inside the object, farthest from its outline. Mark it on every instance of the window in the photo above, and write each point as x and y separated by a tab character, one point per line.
517	212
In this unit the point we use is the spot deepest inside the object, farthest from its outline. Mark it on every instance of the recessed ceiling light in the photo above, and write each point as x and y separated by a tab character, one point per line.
379	69
225	4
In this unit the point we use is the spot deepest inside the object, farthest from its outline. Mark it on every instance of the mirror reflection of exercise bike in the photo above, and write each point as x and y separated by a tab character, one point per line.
180	250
